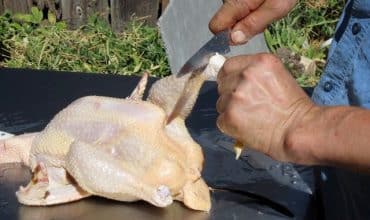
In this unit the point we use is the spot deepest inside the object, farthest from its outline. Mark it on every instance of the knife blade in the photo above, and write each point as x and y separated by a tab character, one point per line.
219	43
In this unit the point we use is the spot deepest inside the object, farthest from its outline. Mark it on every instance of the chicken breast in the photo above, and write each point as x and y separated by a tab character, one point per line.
122	149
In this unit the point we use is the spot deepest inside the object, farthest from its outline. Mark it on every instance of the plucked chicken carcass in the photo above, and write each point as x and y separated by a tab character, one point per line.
121	149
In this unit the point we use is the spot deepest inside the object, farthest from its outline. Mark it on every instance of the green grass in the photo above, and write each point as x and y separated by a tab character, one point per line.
36	44
28	41
304	30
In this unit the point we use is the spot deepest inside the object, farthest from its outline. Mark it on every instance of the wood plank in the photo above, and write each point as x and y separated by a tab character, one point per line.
74	12
1	7
117	16
40	4
77	12
66	7
98	7
123	10
149	9
17	6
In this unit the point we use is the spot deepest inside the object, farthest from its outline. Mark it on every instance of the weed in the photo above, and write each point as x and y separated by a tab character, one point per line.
94	47
304	30
28	42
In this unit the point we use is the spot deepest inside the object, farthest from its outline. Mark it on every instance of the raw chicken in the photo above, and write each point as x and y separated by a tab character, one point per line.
121	149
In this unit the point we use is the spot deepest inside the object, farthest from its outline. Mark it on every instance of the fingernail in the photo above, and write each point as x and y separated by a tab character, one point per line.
239	37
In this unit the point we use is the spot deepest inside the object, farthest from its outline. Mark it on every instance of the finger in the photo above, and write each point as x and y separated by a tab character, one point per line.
234	65
233	72
231	12
221	124
228	85
257	21
222	103
225	125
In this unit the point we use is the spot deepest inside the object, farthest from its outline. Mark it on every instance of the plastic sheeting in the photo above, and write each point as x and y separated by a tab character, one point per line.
254	187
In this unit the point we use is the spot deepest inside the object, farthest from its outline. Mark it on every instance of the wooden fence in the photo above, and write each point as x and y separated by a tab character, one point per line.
76	12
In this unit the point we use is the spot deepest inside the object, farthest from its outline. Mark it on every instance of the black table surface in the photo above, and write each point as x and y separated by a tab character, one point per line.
29	99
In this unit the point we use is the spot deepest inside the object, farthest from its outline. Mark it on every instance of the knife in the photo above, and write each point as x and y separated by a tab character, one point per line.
219	43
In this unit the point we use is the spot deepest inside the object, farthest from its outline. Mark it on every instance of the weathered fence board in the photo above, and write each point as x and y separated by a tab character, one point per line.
123	10
1	7
100	7
72	12
22	6
76	12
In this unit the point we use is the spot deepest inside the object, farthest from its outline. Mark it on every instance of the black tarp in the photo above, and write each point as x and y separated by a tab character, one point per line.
248	189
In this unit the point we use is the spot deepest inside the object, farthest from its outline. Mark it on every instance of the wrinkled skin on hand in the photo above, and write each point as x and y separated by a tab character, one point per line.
247	18
260	103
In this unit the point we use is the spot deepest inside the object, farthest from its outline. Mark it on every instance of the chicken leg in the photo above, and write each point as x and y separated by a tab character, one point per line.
122	149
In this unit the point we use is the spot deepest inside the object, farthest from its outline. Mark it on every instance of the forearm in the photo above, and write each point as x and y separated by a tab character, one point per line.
338	136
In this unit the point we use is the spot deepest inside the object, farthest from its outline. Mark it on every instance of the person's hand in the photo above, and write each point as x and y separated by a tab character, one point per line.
247	18
260	103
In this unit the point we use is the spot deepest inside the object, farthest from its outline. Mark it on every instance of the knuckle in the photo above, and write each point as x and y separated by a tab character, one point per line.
246	5
237	3
219	123
245	75
266	59
252	24
259	58
228	66
220	76
219	87
230	2
263	58
218	105
231	118
222	123
251	74
273	57
237	95
238	8
212	25
232	8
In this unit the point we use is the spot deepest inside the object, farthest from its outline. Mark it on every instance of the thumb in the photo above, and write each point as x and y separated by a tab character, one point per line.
231	12
257	21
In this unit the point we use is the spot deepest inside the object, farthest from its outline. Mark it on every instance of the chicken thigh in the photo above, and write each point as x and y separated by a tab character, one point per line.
122	149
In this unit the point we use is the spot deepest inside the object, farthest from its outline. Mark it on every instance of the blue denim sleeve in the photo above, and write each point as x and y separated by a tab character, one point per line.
346	80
